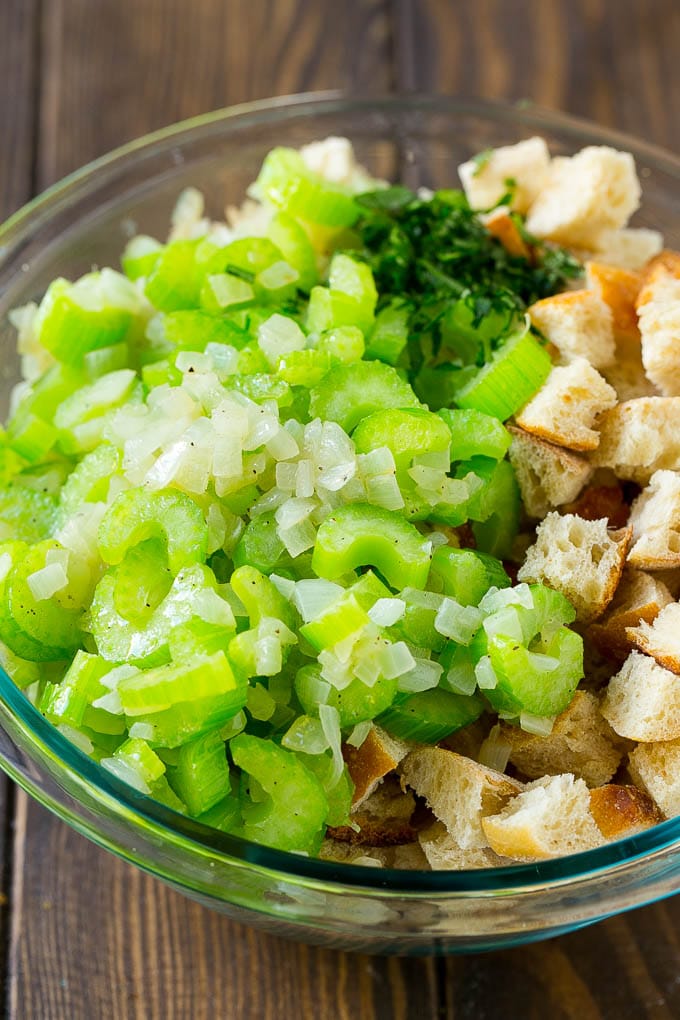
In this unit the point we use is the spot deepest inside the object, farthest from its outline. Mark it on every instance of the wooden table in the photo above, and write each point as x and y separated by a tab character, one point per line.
83	935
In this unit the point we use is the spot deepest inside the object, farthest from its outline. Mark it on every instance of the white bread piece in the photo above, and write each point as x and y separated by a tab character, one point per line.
655	520
627	375
333	159
655	768
589	193
638	437
659	319
640	597
664	265
547	475
579	324
581	742
459	791
621	811
550	818
642	701
443	853
527	163
628	248
567	406
368	764
384	818
660	639
582	559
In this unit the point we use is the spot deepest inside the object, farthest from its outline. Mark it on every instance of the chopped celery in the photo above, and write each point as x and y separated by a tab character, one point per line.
350	392
430	715
201	776
286	181
509	380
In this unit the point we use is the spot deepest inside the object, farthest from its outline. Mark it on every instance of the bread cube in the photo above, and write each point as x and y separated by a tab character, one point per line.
579	324
582	559
618	288
659	319
660	638
547	475
567	406
444	854
642	701
484	178
655	768
502	226
550	818
368	764
639	437
640	597
621	811
594	191
628	248
655	520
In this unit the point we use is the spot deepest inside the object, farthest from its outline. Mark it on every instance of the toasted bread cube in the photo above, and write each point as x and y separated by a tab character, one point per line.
663	266
619	289
567	406
579	324
628	248
502	226
627	375
655	768
642	701
550	818
660	638
384	818
660	335
655	520
639	597
444	854
372	761
586	194
639	437
526	163
582	742
459	791
547	475
621	811
582	559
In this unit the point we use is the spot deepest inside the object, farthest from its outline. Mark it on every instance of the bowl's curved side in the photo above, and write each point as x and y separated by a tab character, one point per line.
86	219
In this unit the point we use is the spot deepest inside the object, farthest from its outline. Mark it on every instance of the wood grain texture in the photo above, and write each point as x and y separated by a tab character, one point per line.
114	70
611	61
92	937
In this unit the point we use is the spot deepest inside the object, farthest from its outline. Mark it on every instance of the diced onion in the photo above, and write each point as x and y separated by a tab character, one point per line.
495	752
312	596
498	598
385	612
396	660
461	678
540	725
299	538
505	621
307	735
260	703
278	336
384	491
293	511
423	677
460	623
486	676
359	733
46	582
330	721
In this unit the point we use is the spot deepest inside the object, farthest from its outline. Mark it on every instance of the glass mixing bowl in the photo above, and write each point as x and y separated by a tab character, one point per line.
85	221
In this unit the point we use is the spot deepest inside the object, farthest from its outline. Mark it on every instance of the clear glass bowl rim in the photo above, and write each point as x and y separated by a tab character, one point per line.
137	808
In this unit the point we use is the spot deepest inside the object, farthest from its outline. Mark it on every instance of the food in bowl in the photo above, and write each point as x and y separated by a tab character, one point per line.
262	513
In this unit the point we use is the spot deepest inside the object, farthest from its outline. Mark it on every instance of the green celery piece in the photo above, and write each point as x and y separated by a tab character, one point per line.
355	703
417	624
360	534
225	815
119	640
89	481
97	311
42	630
143	579
389	334
551	609
368	589
496	534
197	638
192	330
287	183
524	685
25	514
293	812
342	618
138	514
332	309
260	545
438	385
474	433
140	256
11	462
246	260
201	776
263	386
466	574
66	702
350	392
429	716
21	672
163	687
224	292
406	432
304	368
175	280
339	793
161	373
293	242
105	360
516	371
82	416
260	597
31	431
189	719
460	331
344	344
347	275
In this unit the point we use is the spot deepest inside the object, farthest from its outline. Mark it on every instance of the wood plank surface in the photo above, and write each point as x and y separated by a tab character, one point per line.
92	937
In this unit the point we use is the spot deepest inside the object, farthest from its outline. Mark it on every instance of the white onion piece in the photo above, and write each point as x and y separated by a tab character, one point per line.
306	735
540	725
495	752
485	674
423	677
359	733
312	596
385	612
330	722
46	582
460	623
498	598
299	538
396	660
